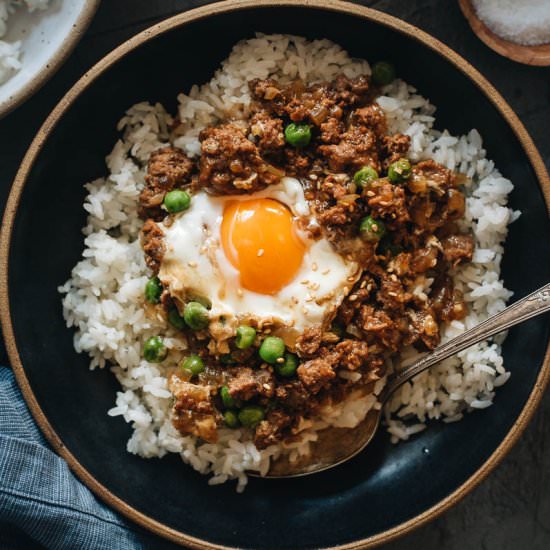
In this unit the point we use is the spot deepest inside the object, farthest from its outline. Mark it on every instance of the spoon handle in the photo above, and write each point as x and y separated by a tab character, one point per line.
532	305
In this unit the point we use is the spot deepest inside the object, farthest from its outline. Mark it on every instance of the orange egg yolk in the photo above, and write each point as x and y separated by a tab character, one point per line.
260	241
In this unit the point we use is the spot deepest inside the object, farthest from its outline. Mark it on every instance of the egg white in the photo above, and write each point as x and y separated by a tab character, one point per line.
195	264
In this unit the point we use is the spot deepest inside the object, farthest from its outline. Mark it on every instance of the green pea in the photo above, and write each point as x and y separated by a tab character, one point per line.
245	337
195	315
251	415
231	419
371	229
272	348
383	73
298	135
288	368
176	201
175	319
203	300
365	176
228	401
154	350
399	171
153	290
193	364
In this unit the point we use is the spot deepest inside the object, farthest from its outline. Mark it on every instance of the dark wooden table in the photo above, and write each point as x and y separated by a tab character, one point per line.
511	509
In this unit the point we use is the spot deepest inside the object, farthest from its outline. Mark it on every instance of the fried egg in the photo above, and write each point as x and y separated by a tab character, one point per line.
248	255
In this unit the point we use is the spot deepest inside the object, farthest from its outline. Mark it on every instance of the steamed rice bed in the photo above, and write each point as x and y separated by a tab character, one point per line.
103	298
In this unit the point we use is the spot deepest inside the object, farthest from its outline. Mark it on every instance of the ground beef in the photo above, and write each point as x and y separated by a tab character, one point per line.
246	383
316	374
331	130
387	201
339	214
193	411
458	248
309	342
270	431
350	354
152	242
230	163
425	327
268	132
371	116
392	294
424	258
447	302
297	162
357	147
293	395
351	91
393	148
436	175
380	328
167	169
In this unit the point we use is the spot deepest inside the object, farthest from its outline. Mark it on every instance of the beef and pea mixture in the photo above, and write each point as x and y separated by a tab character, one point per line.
395	219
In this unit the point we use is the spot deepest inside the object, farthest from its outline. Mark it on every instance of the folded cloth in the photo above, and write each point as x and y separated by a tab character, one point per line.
42	504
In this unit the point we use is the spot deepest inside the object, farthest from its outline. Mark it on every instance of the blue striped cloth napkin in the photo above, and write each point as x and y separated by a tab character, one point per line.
42	504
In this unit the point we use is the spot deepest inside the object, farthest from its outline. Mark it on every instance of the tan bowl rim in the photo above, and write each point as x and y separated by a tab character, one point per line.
54	64
180	20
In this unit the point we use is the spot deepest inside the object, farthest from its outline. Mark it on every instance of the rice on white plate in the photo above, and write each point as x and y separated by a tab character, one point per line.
10	52
103	297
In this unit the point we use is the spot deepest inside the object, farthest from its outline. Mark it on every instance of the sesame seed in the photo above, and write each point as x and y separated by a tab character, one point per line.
313	266
192	263
239	292
304	282
392	294
292	322
279	360
326	271
345	289
316	286
260	252
294	300
370	193
351	279
203	250
353	298
305	310
267	386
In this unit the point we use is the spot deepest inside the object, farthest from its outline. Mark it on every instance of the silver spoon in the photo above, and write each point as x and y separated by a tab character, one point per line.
336	446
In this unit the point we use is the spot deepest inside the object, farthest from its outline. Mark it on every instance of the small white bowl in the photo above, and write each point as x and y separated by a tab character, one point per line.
47	37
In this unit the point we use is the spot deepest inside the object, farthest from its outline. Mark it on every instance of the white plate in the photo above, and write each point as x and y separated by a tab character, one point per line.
47	37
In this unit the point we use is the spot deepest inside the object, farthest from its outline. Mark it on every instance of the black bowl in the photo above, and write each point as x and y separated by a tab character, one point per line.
382	493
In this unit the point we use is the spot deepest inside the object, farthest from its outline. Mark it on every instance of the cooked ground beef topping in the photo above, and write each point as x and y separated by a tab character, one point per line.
397	220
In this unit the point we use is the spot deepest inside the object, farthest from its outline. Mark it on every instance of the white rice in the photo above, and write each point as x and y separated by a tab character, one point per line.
10	52
103	296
